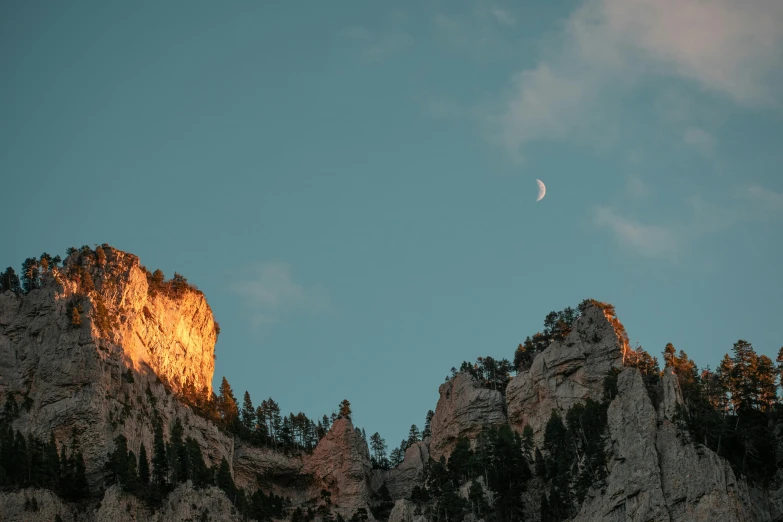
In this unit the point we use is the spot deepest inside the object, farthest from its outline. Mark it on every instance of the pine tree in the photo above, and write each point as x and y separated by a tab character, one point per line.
345	409
428	425
378	447
227	406
396	457
144	466
414	435
178	455
30	275
10	281
224	480
200	474
248	413
160	464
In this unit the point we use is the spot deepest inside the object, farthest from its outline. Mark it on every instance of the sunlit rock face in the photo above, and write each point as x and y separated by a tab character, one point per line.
72	379
341	464
464	409
567	372
172	335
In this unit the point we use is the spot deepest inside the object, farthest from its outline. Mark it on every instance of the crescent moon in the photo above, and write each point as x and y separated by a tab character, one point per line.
541	190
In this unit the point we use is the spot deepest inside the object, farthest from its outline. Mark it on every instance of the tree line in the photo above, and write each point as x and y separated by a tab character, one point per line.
29	462
264	425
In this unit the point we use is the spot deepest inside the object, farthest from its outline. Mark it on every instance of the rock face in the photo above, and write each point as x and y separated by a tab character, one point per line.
74	376
401	480
279	473
184	503
567	372
72	381
464	409
341	464
655	474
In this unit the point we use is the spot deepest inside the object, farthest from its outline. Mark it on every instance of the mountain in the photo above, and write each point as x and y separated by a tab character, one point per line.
99	358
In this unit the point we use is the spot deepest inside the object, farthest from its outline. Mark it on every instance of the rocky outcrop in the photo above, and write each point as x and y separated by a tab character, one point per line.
72	379
464	409
567	372
655	474
341	464
277	472
403	511
401	480
184	503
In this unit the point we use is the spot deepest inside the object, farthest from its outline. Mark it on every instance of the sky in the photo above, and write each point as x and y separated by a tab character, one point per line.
352	184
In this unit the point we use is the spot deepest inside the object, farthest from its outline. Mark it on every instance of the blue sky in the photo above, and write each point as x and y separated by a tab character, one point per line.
353	184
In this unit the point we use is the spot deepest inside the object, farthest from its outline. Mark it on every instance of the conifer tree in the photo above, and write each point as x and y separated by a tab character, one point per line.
345	409
414	435
224	480
378	447
428	425
248	413
227	406
30	274
10	281
160	464
144	467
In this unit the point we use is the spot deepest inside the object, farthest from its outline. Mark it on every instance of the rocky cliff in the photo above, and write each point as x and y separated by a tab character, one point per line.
66	348
567	372
70	378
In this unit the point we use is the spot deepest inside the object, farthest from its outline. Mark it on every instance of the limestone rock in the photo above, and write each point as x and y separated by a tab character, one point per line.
274	469
566	372
633	490
464	409
656	474
184	503
401	480
17	506
672	395
402	511
74	377
341	464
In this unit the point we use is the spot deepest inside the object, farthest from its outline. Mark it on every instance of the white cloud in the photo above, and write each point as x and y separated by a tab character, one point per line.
699	139
272	291
727	47
647	240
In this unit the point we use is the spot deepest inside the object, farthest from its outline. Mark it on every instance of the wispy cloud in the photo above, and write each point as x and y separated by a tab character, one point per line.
378	46
754	204
482	30
647	240
699	139
727	47
769	199
636	187
271	291
503	16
